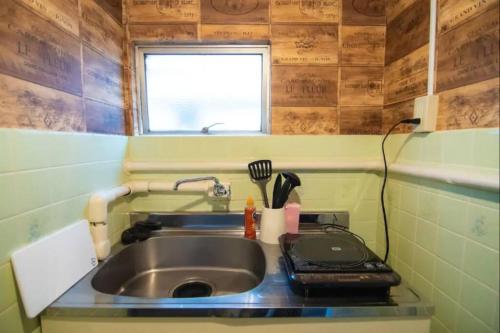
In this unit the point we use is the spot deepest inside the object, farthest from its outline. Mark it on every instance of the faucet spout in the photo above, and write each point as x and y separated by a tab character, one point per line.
219	189
192	180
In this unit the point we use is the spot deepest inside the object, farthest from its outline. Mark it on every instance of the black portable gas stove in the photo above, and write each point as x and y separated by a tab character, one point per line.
334	262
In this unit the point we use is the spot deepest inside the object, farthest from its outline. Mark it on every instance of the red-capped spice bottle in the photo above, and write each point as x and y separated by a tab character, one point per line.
250	219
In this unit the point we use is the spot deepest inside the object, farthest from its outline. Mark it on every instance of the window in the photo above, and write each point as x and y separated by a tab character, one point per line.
184	89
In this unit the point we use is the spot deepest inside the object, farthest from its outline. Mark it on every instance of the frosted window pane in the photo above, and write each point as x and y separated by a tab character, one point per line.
188	92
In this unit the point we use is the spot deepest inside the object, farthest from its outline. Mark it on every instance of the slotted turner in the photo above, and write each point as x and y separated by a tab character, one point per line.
261	172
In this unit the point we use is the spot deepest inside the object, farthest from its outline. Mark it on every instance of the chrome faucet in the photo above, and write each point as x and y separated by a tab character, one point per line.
220	191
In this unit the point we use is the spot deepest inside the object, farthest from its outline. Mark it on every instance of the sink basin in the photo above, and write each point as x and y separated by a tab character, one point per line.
184	267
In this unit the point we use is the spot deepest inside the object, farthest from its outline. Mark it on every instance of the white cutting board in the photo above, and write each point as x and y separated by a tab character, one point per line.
45	269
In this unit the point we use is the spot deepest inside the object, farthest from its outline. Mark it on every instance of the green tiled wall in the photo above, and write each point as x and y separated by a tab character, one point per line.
45	182
445	238
462	148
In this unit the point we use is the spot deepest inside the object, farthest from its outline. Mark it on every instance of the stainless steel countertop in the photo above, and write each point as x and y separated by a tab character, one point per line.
272	298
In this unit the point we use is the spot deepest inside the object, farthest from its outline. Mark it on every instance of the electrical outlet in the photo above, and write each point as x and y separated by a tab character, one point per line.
426	108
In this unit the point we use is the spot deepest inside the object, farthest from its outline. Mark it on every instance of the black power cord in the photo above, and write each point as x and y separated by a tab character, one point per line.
413	121
327	228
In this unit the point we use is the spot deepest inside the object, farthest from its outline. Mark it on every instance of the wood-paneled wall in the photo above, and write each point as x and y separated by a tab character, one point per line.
338	66
327	56
467	61
406	58
61	65
467	73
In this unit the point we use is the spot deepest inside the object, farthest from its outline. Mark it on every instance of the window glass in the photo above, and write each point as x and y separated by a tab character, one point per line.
186	92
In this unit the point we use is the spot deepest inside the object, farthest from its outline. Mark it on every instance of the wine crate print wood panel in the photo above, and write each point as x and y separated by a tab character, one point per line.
41	61
408	31
304	36
102	78
33	49
100	30
297	120
113	8
360	120
406	78
394	113
469	53
231	12
295	11
63	13
361	86
240	32
103	118
163	11
363	45
396	7
304	44
301	86
28	105
162	32
475	105
454	12
363	12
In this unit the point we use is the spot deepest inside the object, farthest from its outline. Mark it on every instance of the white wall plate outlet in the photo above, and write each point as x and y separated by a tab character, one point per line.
426	108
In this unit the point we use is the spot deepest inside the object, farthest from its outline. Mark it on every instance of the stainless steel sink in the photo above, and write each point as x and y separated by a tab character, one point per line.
183	266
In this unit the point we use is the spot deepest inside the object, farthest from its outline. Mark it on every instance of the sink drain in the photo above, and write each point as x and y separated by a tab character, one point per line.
193	289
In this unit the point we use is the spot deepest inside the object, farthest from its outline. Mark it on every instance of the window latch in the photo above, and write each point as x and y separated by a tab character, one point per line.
205	130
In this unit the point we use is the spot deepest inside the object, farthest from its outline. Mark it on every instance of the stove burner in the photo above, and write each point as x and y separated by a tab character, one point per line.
334	262
329	251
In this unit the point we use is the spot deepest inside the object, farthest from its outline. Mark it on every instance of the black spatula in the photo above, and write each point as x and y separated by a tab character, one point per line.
261	172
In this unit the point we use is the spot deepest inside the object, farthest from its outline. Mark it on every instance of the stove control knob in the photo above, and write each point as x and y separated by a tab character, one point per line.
369	265
380	265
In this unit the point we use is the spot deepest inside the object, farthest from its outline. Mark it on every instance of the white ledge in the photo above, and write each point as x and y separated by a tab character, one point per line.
470	178
361	165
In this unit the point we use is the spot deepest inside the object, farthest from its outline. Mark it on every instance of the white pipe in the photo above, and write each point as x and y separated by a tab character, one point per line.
466	178
99	202
432	47
363	165
138	186
366	165
184	166
474	179
98	205
98	216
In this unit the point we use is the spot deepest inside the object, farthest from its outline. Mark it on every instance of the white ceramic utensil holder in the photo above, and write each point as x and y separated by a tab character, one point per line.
272	225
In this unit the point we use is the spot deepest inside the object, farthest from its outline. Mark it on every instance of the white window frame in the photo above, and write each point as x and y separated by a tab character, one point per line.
142	51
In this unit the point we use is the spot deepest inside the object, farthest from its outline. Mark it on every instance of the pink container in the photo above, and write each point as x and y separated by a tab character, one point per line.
292	215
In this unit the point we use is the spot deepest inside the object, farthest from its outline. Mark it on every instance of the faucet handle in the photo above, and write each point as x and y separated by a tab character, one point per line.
221	191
